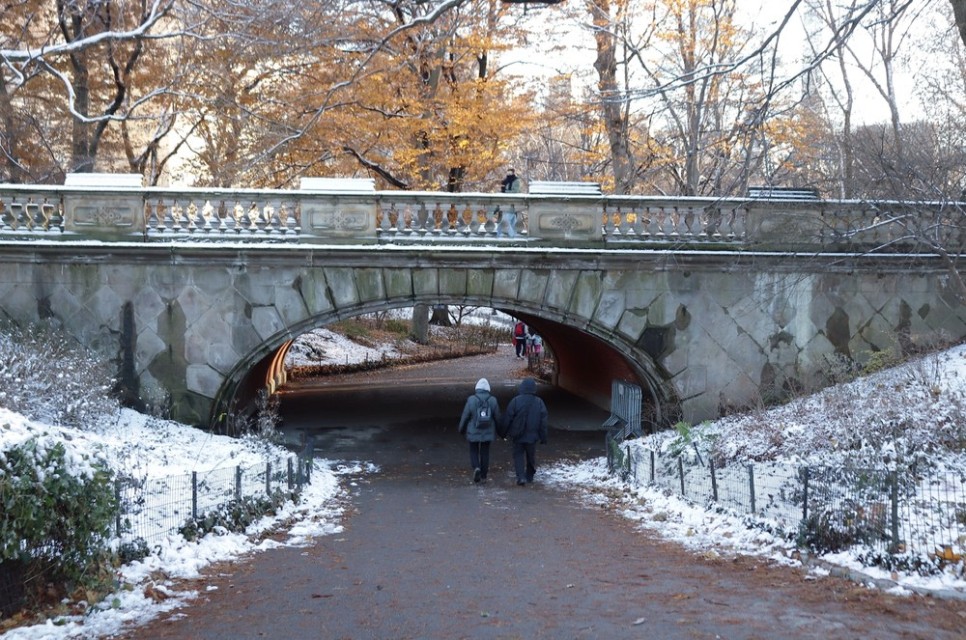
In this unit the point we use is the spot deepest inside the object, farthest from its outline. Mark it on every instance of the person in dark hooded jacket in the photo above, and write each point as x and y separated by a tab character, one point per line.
525	423
481	414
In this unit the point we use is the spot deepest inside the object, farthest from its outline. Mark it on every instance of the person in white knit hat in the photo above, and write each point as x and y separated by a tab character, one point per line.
481	414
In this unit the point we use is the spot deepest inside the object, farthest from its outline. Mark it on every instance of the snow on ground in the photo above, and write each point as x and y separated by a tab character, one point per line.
322	346
912	413
923	397
160	449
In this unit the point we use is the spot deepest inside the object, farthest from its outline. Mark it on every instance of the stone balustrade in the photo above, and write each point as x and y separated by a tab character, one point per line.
341	212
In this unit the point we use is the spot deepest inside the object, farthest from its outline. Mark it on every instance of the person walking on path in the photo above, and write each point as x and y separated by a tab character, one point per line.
526	424
481	413
520	338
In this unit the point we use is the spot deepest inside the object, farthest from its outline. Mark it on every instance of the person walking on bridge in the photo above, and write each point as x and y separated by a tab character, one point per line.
481	414
526	424
510	184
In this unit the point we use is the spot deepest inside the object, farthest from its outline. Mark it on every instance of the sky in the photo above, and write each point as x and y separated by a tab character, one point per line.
565	45
174	449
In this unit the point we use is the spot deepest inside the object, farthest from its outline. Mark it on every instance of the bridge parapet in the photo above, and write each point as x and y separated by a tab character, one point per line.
361	216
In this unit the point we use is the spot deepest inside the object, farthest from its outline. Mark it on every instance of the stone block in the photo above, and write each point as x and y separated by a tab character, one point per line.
425	282
560	220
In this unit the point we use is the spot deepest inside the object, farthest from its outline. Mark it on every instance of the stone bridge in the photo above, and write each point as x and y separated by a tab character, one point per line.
709	305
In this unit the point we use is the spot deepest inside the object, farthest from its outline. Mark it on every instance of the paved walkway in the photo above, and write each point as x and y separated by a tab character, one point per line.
427	554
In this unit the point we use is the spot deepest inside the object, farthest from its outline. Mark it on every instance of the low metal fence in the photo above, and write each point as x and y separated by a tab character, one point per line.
894	518
153	509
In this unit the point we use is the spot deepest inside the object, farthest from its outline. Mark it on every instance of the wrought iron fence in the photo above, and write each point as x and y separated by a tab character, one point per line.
891	518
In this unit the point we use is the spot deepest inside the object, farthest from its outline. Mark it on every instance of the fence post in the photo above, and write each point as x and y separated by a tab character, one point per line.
894	499
805	494
194	495
681	474
652	466
268	478
238	476
714	480
117	500
290	480
751	485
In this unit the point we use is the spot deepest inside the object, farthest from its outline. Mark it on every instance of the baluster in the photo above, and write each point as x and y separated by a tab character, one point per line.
466	220
394	219
150	217
688	223
6	216
21	215
491	225
228	222
717	225
619	219
437	219
380	217
164	217
660	222
633	223
451	219
675	219
258	215
410	218
55	215
210	221
736	224
27	217
287	218
610	223
244	221
192	216
645	220
176	213
708	221
628	223
38	220
273	222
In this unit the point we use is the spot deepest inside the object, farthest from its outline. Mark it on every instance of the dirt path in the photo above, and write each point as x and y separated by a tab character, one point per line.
427	554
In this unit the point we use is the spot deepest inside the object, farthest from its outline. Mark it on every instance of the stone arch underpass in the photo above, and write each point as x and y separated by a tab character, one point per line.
702	332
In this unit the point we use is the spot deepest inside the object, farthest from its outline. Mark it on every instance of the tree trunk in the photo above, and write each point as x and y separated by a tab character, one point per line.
10	154
421	324
612	103
959	11
441	316
82	160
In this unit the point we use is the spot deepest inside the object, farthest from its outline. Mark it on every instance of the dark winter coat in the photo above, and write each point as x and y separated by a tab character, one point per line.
470	420
510	184
525	419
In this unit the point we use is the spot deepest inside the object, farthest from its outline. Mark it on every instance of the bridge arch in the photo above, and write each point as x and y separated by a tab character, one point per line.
703	331
589	357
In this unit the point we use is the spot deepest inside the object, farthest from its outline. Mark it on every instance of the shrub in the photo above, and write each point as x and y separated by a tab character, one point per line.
851	524
49	377
58	508
234	516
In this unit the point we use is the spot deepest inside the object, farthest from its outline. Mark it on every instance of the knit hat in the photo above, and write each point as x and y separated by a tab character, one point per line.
529	385
482	385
